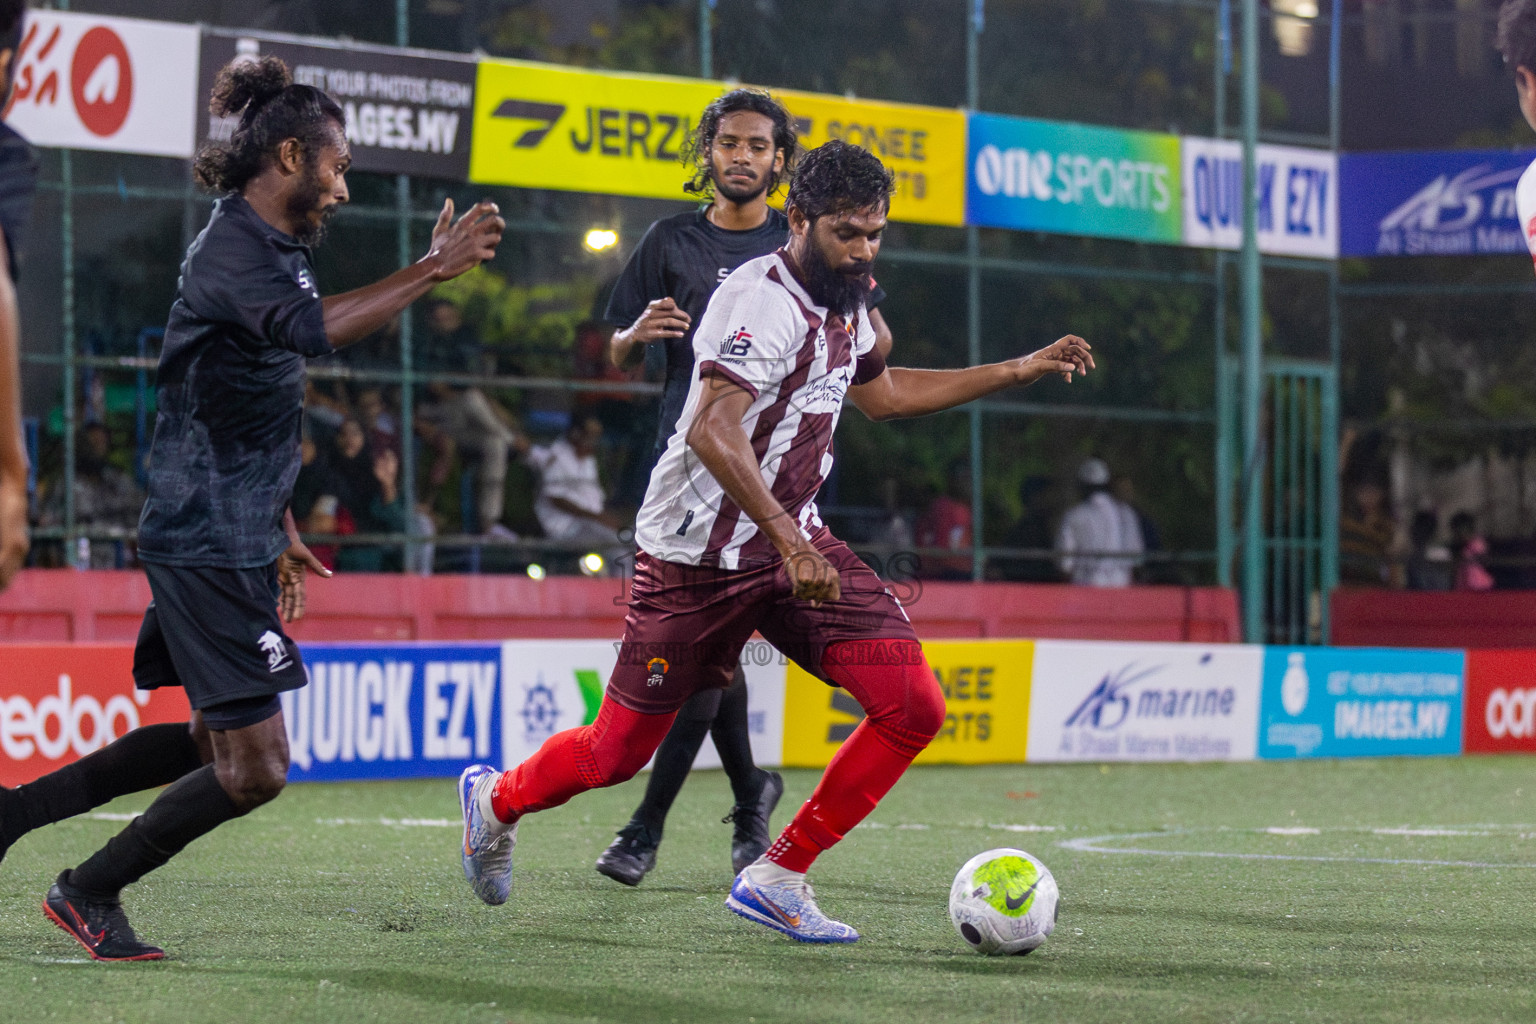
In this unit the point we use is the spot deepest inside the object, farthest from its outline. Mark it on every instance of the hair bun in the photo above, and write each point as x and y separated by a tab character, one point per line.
248	85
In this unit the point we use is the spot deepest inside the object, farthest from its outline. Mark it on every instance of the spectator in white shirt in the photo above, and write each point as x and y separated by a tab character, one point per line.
570	503
1100	542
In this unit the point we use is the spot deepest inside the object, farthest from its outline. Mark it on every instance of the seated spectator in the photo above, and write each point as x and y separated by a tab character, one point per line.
1366	535
1430	566
367	489
106	501
381	424
1471	549
946	523
571	505
1032	532
314	500
1100	542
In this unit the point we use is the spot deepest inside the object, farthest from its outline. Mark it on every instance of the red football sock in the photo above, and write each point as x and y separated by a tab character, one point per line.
891	680
609	751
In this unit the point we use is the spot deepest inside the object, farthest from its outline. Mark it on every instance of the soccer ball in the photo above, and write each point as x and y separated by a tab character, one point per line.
1003	903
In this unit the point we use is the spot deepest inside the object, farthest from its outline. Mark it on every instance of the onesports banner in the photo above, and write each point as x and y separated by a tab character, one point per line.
1073	179
116	84
1458	203
1360	702
1297	193
407	112
986	686
59	702
1144	702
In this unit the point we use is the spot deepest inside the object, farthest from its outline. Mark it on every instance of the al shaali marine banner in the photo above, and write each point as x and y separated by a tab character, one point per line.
1459	203
407	113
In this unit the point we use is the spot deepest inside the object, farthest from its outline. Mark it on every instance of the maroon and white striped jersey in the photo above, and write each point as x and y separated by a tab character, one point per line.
764	333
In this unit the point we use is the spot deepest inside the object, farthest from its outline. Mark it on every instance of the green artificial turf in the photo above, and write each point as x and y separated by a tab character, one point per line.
346	903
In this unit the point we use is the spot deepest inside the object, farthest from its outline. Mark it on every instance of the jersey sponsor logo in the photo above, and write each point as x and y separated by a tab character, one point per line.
276	651
307	283
722	274
737	343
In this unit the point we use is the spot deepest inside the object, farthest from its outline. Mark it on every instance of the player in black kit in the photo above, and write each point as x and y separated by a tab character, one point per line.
743	148
225	563
18	180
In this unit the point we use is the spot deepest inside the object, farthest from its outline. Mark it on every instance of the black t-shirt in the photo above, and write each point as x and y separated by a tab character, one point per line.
231	395
18	181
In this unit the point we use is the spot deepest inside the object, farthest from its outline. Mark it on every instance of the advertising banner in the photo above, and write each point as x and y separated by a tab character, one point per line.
407	113
1501	702
924	147
1297	192
986	687
394	711
1074	179
1459	203
541	126
1360	702
116	84
1144	702
59	702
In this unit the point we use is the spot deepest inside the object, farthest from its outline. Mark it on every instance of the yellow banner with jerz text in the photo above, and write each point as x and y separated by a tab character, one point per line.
986	696
545	126
541	126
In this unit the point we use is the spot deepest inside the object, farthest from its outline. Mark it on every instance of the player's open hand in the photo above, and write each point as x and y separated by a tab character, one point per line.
13	532
1065	356
463	244
812	577
291	566
662	319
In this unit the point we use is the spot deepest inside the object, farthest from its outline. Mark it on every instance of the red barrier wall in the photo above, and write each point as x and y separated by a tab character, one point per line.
1365	617
63	605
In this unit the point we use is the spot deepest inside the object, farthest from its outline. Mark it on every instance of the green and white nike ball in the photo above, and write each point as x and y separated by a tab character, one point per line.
1003	903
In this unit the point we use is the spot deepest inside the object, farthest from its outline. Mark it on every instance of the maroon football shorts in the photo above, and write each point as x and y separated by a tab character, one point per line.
687	624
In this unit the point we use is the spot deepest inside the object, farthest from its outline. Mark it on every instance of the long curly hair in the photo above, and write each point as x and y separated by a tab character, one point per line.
271	109
702	139
838	176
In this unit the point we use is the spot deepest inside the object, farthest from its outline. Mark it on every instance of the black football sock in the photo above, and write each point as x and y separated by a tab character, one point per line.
192	806
734	743
149	756
674	760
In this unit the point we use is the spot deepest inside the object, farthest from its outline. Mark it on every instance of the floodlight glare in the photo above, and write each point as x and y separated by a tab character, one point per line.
601	239
592	563
535	571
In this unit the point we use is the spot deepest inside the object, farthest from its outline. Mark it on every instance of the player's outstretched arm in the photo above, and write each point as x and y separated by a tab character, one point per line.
662	319
901	392
717	438
457	246
13	450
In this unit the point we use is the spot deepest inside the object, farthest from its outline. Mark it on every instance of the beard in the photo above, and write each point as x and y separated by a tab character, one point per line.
839	291
302	205
736	190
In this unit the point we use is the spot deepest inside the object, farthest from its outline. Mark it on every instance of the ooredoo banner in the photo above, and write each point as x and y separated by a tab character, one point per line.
1144	702
1360	702
407	112
1500	702
59	702
115	84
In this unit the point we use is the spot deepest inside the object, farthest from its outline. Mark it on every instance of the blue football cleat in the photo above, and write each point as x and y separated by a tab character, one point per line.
789	908
488	845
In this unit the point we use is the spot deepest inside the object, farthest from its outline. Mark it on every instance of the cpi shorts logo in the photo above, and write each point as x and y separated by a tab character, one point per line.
658	671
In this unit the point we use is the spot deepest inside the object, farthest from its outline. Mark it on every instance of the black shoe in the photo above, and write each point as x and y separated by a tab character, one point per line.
101	927
630	856
750	839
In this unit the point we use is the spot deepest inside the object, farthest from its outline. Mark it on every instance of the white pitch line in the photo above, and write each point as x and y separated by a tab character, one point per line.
394	822
1092	844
